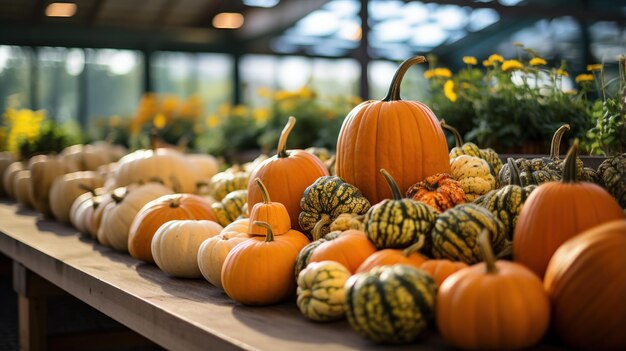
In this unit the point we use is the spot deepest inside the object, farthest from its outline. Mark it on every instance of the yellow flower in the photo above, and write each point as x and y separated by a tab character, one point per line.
562	72
470	60
261	115
582	78
495	57
354	100
306	93
283	95
448	90
429	74
240	110
511	65
538	61
24	125
169	105
443	72
594	67
465	85
264	92
159	121
212	121
487	63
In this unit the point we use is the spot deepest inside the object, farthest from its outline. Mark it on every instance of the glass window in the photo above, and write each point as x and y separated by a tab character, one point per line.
414	85
57	82
14	77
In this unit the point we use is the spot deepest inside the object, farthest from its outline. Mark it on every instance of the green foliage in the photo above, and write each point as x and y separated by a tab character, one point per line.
52	138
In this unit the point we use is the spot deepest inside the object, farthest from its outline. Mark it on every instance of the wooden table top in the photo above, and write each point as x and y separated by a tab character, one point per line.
182	314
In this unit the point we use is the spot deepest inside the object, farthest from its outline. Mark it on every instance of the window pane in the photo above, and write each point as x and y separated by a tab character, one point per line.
14	77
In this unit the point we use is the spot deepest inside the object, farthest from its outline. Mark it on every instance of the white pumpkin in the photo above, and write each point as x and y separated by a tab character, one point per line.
206	166
81	212
85	157
176	243
9	177
44	170
67	188
21	188
6	159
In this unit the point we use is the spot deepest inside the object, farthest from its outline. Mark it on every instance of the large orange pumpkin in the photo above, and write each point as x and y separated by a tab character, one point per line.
286	175
157	212
558	211
403	137
586	281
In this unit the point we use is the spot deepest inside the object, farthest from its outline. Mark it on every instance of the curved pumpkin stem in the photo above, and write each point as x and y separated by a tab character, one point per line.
269	237
154	139
487	252
264	193
555	145
282	142
118	197
397	195
394	88
514	178
317	229
457	136
414	248
569	168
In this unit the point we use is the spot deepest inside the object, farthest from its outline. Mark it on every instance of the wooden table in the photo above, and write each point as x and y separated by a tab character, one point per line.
180	314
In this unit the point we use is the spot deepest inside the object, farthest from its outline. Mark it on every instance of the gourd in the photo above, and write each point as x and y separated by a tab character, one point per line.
206	166
225	183
6	159
390	304
44	170
176	243
156	212
347	221
67	188
408	256
21	188
230	207
259	271
326	199
273	213
321	293
86	157
439	191
612	176
398	223
213	251
9	177
441	269
81	212
403	137
492	305
586	281
286	176
470	149
473	175
558	211
456	232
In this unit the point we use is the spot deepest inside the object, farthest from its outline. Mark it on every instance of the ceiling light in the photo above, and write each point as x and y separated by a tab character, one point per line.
228	20
61	9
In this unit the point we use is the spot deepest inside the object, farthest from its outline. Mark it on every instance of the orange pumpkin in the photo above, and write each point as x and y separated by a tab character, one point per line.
387	257
558	211
403	137
270	212
440	270
586	281
439	191
492	305
259	271
157	212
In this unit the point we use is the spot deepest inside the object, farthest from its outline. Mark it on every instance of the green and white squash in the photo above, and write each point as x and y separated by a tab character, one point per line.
612	176
321	294
226	182
231	207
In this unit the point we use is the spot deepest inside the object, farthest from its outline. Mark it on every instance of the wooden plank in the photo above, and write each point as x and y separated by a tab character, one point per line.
175	313
32	313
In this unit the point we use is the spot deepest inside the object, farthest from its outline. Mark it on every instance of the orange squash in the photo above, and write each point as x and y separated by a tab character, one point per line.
157	212
286	175
441	269
409	256
439	191
558	211
586	281
273	213
403	137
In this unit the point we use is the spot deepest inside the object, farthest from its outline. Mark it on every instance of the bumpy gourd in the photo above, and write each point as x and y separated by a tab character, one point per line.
439	191
471	149
321	294
473	174
612	176
231	207
224	183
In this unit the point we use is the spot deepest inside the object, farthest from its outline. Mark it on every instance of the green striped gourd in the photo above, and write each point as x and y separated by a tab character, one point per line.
471	149
456	231
397	223
391	304
321	294
612	176
231	207
506	203
326	199
226	182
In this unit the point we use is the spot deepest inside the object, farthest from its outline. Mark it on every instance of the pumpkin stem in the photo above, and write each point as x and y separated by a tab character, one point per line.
282	142
269	237
175	202
569	169
87	188
316	233
119	197
394	88
154	139
414	248
397	195
457	136
487	252
555	145
264	193
514	178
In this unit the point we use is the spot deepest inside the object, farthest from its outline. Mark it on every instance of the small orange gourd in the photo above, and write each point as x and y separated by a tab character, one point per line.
409	256
441	269
273	213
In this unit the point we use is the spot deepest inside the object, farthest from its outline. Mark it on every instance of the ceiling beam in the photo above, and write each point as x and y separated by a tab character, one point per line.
91	18
163	13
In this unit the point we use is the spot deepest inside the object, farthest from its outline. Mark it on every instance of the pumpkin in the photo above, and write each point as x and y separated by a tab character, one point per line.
9	177
6	159
21	188
213	251
456	231
325	200
440	270
492	305
321	294
225	183
473	175
403	137
259	271
296	168
506	203
349	248
230	207
273	213
176	243
470	149
44	170
398	223
612	176
206	166
67	188
81	212
156	212
116	214
586	281
86	157
558	211
390	304
347	221
439	191
408	256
